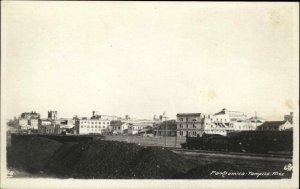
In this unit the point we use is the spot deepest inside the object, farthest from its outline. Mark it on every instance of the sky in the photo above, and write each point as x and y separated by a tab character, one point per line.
146	58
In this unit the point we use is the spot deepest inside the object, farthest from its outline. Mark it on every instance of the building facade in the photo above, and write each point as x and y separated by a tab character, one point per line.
52	115
34	124
223	122
118	127
92	126
189	124
30	115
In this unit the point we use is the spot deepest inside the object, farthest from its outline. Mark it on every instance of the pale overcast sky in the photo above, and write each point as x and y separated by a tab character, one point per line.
145	58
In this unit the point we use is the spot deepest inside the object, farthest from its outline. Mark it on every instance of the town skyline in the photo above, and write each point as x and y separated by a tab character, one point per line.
44	114
119	60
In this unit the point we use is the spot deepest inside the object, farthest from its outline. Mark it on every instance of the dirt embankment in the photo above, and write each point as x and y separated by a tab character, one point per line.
120	160
95	159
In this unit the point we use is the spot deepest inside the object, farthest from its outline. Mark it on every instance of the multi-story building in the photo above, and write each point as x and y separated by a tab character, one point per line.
189	124
92	126
52	115
223	122
30	115
34	123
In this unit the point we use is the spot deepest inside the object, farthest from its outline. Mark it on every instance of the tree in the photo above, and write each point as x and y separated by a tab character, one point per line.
13	122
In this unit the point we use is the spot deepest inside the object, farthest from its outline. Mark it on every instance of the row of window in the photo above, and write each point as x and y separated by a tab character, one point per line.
96	122
92	126
187	119
193	133
187	126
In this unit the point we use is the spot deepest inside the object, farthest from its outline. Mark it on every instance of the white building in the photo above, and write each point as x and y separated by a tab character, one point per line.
24	124
92	126
34	123
196	124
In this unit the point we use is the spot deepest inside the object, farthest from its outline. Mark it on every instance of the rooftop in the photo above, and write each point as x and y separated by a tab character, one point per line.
188	114
272	124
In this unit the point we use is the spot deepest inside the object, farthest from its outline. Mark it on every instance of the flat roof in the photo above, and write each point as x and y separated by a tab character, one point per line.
188	114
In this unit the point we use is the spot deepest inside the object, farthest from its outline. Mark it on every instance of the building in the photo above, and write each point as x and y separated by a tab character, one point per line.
46	129
119	127
30	115
92	126
136	126
65	122
289	117
162	128
226	116
52	115
34	124
275	126
189	124
44	122
24	124
223	122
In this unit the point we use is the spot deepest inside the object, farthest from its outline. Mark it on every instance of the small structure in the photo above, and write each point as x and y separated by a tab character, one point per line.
275	126
118	127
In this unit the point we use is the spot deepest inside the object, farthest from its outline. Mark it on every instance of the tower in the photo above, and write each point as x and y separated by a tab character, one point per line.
52	115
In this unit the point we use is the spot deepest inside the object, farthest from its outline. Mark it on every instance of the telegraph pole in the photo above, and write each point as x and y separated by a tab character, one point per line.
255	121
165	129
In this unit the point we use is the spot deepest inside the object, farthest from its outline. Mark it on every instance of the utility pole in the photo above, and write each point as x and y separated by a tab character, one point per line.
255	121
164	114
175	135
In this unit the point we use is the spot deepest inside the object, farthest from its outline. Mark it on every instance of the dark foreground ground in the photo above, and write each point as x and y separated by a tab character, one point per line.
41	157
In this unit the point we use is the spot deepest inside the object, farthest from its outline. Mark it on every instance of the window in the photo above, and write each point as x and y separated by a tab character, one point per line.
180	126
107	122
194	126
187	119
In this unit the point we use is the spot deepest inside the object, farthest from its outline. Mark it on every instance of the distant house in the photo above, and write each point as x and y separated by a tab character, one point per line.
46	129
24	124
275	126
118	127
162	128
30	115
